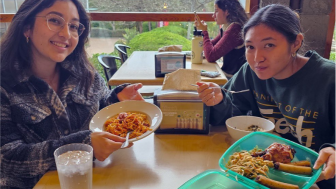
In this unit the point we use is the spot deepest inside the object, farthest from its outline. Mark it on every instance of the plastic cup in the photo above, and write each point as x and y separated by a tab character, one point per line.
74	166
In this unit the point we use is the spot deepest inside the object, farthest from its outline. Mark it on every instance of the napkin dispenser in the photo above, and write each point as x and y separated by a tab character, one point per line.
183	112
167	62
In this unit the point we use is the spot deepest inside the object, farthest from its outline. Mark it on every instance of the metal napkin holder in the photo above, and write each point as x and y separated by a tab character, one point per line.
183	112
167	62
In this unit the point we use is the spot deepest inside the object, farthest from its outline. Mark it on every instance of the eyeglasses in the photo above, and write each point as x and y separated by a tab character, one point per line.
56	23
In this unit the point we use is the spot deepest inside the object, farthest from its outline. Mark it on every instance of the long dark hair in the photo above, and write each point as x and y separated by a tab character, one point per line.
236	11
16	54
279	18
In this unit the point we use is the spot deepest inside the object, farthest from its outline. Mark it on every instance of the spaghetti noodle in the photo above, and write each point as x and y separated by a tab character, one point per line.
128	121
248	166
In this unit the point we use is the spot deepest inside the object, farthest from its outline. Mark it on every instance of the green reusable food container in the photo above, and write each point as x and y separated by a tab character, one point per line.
221	179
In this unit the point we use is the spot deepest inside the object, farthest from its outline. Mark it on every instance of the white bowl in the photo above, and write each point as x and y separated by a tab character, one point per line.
237	126
154	115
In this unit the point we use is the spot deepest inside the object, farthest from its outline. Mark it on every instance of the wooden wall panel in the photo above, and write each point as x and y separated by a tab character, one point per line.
135	16
254	6
331	27
150	16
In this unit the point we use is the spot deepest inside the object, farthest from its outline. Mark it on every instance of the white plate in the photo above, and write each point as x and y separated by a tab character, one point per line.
154	113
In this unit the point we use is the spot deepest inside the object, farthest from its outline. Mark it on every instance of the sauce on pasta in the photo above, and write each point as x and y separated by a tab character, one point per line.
243	163
123	122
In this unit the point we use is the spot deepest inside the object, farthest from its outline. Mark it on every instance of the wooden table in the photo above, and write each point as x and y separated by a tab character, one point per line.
159	161
139	68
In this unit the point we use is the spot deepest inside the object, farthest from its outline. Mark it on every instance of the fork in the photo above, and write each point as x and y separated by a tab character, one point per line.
227	90
236	91
125	144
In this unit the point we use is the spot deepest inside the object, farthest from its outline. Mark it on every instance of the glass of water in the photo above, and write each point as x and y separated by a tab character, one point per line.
74	166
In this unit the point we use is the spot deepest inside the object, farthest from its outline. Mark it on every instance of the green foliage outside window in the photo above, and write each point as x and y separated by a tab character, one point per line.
94	61
332	53
213	29
152	41
145	26
173	29
332	56
130	34
100	24
183	25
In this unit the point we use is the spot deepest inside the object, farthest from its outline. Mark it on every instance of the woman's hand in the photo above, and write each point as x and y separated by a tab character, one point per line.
327	157
200	24
130	93
104	144
210	93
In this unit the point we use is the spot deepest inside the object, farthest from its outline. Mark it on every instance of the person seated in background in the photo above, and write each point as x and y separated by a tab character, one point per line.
294	91
50	91
228	44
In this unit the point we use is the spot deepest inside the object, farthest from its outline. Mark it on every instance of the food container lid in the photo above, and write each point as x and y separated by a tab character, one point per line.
216	179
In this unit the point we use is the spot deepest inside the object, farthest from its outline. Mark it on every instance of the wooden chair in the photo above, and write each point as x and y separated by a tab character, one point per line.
122	50
109	64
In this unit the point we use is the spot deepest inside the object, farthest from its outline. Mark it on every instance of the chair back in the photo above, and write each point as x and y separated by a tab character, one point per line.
122	50
109	64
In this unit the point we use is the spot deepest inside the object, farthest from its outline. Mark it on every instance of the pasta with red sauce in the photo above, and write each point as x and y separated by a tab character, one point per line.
128	121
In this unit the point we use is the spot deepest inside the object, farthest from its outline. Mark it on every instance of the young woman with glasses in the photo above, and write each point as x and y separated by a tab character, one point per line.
228	43
50	91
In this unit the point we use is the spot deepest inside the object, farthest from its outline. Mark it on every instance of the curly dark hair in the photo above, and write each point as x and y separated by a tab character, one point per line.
236	11
15	49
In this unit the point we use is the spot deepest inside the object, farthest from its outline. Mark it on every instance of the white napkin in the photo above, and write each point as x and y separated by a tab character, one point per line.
181	80
176	48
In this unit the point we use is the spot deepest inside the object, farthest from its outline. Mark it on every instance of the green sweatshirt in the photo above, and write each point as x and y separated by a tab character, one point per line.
302	107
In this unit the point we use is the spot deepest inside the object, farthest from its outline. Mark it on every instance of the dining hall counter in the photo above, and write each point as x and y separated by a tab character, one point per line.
159	161
140	68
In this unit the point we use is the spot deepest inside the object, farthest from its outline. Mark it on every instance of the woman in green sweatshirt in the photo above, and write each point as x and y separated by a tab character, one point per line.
296	92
